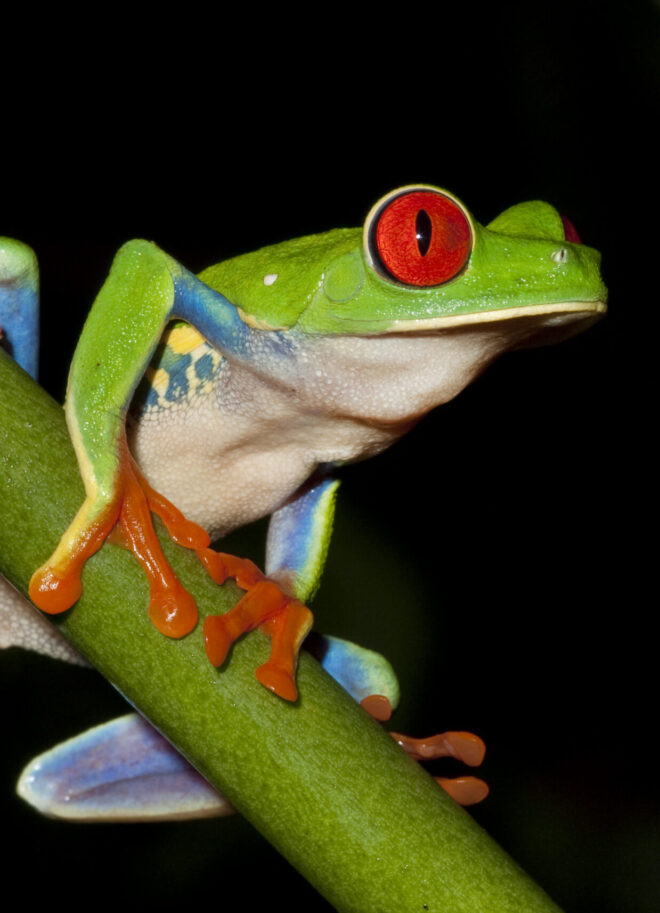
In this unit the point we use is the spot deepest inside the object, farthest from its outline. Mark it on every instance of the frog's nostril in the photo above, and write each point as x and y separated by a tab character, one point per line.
570	233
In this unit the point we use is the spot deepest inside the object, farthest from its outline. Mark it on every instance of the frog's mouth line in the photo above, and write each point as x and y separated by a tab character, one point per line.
564	312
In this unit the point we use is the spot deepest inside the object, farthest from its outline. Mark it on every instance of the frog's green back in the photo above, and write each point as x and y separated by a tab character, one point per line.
273	286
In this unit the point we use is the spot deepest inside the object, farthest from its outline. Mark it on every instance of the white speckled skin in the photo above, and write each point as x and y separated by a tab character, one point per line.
242	448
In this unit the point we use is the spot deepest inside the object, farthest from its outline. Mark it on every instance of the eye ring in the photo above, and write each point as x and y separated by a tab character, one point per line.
560	255
419	236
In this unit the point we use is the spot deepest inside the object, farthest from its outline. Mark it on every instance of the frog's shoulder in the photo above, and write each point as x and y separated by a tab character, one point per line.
272	286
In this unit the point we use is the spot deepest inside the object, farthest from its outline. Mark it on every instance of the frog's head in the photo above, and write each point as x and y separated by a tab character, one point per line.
417	303
425	264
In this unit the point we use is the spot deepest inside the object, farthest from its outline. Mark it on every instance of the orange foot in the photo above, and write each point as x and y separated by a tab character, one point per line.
172	609
464	746
127	519
286	621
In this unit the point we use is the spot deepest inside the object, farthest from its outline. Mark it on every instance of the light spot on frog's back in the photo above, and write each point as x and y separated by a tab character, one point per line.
184	366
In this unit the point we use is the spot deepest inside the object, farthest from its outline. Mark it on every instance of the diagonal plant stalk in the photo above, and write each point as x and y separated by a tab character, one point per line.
320	780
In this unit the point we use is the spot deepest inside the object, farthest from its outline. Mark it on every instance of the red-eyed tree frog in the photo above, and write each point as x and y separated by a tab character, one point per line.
238	392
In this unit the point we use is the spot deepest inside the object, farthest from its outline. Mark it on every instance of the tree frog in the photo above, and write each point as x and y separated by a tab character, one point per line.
291	361
237	393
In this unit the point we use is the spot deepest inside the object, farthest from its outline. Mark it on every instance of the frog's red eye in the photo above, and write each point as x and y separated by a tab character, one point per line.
420	237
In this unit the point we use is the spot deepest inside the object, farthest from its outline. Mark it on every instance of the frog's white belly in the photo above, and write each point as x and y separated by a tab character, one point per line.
225	465
240	448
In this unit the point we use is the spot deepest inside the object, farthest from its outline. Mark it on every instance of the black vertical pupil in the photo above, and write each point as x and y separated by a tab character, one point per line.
423	231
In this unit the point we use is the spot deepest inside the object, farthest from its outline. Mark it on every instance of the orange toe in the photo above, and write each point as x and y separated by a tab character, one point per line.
464	790
377	706
217	639
52	593
173	612
277	680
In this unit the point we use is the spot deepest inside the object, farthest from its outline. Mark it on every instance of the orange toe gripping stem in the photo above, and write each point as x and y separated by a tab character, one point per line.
128	518
284	619
172	609
465	747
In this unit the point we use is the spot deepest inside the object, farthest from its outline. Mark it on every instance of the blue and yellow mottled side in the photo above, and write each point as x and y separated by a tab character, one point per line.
184	366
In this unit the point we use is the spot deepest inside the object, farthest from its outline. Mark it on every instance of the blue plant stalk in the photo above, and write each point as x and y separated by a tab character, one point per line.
320	780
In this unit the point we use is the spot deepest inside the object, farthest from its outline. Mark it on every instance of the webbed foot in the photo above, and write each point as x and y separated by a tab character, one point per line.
126	518
283	618
56	586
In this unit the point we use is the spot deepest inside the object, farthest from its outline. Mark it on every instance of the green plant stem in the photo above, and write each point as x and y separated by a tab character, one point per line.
320	780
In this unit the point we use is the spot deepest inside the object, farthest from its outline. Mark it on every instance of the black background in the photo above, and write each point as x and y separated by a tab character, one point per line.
499	554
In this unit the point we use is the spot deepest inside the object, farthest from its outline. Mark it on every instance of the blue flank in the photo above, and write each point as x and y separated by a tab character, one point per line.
218	320
178	386
204	367
149	399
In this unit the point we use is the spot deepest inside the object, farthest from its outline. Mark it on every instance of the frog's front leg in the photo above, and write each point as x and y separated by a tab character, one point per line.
118	340
118	495
298	539
144	291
